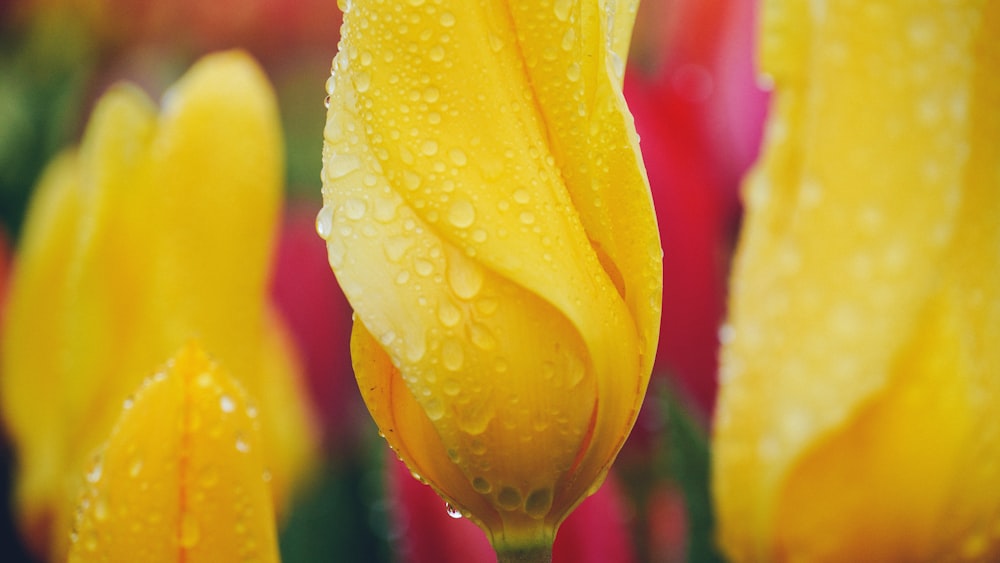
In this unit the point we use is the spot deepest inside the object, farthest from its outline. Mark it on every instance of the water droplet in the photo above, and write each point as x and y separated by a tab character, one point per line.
573	72
431	94
395	247
538	503
190	531
241	444
429	147
448	314
482	338
434	409
477	447
226	403
527	217
128	402
561	8
487	305
423	267
411	180
94	475
451	387
569	39
447	19
324	222
452	355
362	81
436	53
522	196
101	509
326	102
355	209
465	277
509	498
416	347
452	511
481	485
461	213
458	157
340	165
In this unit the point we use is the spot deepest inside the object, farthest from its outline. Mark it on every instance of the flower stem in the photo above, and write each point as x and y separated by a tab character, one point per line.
534	554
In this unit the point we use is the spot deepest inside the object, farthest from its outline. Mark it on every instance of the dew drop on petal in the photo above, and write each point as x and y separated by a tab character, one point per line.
452	511
465	278
538	503
423	267
452	355
562	8
241	444
509	498
324	221
429	147
362	81
94	475
461	214
355	209
458	157
448	314
481	485
573	72
434	409
340	165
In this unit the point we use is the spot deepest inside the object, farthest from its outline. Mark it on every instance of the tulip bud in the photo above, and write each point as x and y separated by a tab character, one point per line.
156	230
182	476
861	376
489	219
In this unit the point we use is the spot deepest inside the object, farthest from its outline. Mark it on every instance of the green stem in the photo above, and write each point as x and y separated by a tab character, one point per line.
533	554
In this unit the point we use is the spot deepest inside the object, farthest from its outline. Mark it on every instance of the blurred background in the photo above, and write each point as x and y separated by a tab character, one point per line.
698	108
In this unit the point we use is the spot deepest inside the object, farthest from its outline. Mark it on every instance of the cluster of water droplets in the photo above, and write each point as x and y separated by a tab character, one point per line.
392	183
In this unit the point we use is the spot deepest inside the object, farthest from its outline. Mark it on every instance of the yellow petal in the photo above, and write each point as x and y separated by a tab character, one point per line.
35	419
182	477
856	415
163	233
488	217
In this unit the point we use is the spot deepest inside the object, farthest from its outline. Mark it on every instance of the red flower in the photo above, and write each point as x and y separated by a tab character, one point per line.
319	319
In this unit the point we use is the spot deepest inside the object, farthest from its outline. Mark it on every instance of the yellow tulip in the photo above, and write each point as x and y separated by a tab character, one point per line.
156	230
488	216
861	374
182	476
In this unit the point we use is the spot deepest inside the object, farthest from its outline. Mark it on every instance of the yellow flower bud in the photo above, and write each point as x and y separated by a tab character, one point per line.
488	216
156	230
861	375
182	476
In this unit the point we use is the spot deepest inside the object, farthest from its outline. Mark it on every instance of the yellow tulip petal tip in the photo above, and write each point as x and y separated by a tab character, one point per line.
181	477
